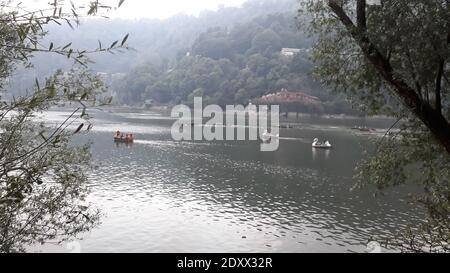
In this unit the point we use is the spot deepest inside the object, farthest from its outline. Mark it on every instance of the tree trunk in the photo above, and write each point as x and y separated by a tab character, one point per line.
432	118
437	93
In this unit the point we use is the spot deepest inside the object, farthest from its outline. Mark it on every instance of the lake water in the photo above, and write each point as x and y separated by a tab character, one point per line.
159	195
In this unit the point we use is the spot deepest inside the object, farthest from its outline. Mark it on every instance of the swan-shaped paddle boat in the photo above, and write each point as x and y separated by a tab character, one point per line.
266	136
319	145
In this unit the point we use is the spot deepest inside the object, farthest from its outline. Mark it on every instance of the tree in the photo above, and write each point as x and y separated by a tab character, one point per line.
221	76
212	44
42	175
396	50
267	39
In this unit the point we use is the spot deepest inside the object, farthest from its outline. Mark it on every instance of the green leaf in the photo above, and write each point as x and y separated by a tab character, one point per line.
52	91
125	39
67	46
79	128
114	44
37	84
84	96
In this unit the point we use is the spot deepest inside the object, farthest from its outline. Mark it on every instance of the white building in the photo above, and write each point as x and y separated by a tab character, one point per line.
374	2
289	52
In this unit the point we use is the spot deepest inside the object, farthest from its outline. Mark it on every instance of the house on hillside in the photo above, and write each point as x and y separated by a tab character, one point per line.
148	104
285	96
374	2
290	52
117	76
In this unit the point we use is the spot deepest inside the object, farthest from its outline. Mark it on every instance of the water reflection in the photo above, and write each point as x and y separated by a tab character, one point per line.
164	196
317	154
126	144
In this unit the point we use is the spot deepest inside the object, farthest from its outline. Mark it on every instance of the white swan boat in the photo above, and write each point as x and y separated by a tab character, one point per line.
266	136
319	145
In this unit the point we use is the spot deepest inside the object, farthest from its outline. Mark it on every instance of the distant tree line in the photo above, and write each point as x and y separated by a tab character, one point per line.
153	40
228	65
230	55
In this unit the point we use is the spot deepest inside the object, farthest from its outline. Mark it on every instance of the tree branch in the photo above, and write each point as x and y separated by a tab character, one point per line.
361	15
432	118
437	92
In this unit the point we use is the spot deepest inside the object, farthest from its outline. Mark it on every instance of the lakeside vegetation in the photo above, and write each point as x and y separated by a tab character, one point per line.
390	59
228	56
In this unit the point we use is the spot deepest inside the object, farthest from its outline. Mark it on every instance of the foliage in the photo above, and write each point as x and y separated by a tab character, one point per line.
393	59
42	175
152	40
233	65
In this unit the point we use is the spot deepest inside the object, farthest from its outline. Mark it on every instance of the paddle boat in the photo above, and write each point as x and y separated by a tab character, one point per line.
364	129
319	145
121	138
266	136
286	126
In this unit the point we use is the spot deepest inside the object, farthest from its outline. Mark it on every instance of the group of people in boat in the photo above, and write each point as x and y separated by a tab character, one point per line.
121	137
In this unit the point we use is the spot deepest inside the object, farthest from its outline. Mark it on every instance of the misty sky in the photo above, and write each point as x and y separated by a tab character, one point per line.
154	8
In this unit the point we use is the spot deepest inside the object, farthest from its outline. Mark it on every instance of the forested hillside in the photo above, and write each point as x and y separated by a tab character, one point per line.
229	56
227	65
233	64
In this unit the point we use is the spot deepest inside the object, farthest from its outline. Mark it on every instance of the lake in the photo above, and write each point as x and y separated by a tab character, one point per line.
159	195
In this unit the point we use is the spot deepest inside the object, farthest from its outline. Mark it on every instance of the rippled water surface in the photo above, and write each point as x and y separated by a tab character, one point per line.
158	195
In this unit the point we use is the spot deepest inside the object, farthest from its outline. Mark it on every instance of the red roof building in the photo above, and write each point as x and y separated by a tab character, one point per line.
289	97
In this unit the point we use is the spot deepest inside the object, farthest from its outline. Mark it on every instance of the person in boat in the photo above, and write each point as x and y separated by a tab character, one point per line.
128	138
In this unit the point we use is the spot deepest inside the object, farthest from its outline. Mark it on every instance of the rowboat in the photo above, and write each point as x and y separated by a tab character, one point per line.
123	140
363	129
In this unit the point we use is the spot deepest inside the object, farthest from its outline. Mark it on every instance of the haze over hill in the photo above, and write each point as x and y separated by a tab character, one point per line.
123	167
231	55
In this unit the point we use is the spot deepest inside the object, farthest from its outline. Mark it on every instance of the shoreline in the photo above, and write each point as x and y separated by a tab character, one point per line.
291	115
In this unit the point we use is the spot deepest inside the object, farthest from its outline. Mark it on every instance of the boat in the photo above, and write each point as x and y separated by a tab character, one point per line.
286	126
123	140
319	145
363	129
266	137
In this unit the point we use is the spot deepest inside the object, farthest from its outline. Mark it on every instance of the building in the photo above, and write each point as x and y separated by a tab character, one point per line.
374	2
117	76
290	52
289	97
148	103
